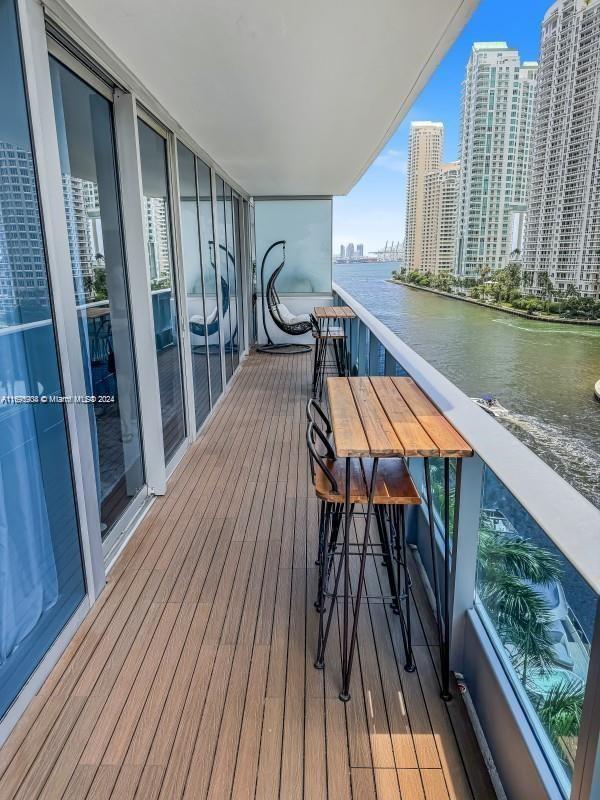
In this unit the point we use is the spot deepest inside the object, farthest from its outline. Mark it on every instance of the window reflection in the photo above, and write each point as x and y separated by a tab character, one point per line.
209	275
157	231
41	572
192	267
90	192
542	612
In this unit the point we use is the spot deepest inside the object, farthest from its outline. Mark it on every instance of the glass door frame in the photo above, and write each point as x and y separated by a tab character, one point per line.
178	267
178	279
119	533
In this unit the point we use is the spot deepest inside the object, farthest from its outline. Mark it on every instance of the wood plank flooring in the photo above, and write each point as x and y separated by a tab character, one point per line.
192	676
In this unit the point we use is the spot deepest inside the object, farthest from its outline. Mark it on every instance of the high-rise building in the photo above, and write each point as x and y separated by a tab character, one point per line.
81	208
563	221
425	146
350	250
157	238
496	135
440	211
342	251
23	282
360	250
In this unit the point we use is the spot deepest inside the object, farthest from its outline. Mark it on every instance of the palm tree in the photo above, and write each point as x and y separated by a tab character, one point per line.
510	567
560	709
560	714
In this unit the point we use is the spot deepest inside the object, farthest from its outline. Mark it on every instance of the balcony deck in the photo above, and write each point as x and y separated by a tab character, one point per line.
192	676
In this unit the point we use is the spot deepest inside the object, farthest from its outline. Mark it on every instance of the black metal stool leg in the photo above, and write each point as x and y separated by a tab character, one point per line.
349	654
316	365
320	604
385	546
406	624
344	695
320	659
320	562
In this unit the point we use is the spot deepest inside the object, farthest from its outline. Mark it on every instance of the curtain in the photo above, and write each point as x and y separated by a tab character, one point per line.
28	576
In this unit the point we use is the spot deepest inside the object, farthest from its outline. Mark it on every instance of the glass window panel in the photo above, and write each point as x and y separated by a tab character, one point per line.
192	267
232	267
209	274
91	196
239	232
157	228
541	612
436	472
227	293
305	225
42	580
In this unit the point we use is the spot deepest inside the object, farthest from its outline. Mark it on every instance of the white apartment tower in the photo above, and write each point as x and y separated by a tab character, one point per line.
440	212
563	224
157	236
425	147
495	153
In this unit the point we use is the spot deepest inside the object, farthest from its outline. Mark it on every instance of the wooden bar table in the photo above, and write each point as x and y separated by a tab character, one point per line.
385	417
325	316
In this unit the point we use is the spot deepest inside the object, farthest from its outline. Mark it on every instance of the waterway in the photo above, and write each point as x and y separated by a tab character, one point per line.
543	373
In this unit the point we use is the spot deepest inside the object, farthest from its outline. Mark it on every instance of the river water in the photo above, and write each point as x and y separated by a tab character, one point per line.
543	373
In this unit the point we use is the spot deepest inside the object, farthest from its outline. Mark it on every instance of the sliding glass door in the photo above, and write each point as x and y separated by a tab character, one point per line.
157	224
84	122
41	572
209	274
201	326
232	277
238	232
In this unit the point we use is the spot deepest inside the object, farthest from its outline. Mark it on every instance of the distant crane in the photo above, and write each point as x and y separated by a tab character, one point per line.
391	252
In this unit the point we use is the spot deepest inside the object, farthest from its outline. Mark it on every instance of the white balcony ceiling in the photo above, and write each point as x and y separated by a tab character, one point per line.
288	96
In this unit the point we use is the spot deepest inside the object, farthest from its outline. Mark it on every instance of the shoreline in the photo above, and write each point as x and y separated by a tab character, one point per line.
516	312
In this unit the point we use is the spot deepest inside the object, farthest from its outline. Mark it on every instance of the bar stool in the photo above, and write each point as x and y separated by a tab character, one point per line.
322	365
392	490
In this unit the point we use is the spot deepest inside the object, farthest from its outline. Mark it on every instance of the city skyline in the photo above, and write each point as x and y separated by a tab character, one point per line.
375	209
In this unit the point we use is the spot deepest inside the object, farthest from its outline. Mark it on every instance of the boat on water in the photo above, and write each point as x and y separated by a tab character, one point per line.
597	390
490	405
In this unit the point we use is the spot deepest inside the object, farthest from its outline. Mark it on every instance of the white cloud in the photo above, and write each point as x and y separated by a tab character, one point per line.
393	160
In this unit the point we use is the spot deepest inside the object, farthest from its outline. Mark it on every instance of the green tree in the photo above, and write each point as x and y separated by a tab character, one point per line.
547	288
560	710
484	276
100	288
509	568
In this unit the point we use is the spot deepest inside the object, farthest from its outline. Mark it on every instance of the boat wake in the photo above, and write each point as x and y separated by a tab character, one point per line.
573	330
570	455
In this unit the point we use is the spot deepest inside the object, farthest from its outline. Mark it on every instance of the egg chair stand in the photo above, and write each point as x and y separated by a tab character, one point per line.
293	325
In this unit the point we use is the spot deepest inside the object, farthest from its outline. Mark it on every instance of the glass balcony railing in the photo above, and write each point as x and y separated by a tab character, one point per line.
540	614
534	590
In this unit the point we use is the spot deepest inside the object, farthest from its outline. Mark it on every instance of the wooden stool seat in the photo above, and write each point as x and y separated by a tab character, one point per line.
393	484
332	333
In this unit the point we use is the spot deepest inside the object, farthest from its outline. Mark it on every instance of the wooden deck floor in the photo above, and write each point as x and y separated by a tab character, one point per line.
192	677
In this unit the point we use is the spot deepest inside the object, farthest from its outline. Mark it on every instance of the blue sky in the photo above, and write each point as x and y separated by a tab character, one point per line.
374	209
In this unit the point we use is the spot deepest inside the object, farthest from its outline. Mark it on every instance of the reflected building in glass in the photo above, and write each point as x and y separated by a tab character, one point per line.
24	295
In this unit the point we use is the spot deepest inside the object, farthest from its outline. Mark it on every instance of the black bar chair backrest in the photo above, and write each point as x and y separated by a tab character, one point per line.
313	432
313	406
